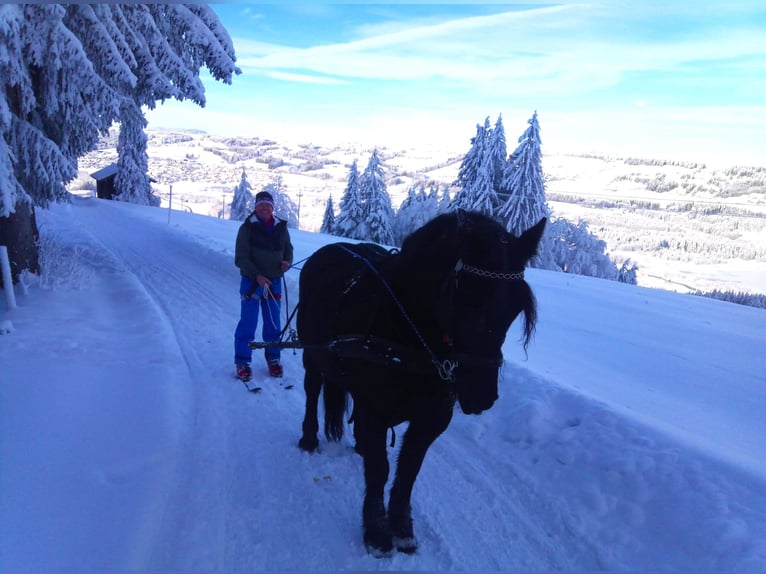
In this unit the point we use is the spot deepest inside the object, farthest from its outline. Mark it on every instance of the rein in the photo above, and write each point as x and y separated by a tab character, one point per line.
446	368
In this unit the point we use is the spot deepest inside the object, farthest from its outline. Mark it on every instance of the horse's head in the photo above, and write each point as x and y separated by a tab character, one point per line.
483	295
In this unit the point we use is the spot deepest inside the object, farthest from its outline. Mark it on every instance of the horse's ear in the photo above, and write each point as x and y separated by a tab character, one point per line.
530	239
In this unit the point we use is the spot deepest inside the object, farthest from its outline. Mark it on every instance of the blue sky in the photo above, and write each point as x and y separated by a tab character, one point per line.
681	79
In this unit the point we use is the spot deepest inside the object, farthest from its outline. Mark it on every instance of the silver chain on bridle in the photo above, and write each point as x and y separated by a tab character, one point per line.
460	266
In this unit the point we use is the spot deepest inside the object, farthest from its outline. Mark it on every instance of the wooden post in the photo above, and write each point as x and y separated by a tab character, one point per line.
170	201
5	263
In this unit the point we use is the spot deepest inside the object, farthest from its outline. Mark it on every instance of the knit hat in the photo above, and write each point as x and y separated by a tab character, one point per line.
263	197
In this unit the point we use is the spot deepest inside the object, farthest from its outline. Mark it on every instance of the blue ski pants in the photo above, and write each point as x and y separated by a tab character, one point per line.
253	300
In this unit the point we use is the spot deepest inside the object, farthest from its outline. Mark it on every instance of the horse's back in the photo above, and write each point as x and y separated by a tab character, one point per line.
339	291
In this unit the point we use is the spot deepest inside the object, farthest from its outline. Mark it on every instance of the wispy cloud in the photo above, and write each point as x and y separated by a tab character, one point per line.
304	78
573	47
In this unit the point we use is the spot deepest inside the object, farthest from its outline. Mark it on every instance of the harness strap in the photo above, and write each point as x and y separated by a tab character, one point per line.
446	372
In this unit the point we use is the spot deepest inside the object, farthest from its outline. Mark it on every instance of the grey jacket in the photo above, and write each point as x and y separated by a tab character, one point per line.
259	251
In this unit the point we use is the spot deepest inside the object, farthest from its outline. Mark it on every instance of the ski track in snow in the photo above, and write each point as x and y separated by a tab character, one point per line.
228	506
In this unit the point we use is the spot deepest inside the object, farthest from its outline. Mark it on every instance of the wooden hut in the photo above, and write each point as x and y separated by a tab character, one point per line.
105	181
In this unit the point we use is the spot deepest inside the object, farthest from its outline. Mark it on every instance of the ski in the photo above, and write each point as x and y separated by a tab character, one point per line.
250	387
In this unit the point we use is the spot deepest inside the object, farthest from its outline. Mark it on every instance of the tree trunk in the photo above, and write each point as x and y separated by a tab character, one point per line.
19	233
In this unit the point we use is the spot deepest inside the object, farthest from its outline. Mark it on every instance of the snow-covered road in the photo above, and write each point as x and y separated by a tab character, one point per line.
162	460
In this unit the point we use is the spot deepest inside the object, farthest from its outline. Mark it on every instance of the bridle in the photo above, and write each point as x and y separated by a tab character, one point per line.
460	266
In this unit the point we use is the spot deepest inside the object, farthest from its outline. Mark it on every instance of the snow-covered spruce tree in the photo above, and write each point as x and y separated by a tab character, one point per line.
378	209
350	220
425	207
284	206
628	273
242	202
431	205
328	221
468	172
445	200
132	178
498	152
66	71
523	180
481	191
404	223
53	107
574	249
172	42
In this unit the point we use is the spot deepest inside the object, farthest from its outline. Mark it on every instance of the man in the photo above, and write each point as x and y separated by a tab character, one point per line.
263	253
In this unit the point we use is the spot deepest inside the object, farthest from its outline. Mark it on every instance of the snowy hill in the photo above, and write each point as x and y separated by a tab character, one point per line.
689	226
630	438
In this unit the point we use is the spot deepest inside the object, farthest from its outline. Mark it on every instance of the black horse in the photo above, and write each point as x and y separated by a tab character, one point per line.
406	334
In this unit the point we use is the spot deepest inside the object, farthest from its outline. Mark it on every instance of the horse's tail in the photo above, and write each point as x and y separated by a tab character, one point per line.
334	410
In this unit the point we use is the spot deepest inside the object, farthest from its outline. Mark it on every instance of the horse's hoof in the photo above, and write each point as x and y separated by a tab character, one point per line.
408	545
378	552
379	549
308	445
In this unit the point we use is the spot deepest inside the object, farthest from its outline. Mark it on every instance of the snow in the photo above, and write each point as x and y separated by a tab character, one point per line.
629	437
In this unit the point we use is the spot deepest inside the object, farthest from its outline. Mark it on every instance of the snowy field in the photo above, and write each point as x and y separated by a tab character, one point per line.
203	170
630	438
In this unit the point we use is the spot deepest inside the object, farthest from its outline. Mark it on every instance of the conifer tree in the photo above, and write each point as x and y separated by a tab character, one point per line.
377	206
481	191
132	178
469	168
523	178
328	221
445	200
242	202
498	152
431	204
68	71
403	223
574	249
284	206
350	221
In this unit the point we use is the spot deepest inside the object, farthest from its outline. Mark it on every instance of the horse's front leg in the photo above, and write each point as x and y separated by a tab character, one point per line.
312	383
421	433
371	439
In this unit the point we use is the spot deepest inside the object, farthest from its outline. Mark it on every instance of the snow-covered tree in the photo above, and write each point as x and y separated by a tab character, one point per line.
498	153
243	200
68	71
628	273
431	206
132	178
523	179
445	200
284	206
416	210
328	221
377	205
481	192
350	220
573	248
469	169
403	223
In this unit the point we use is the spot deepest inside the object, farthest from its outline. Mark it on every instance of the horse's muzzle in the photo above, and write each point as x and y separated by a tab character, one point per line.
476	405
